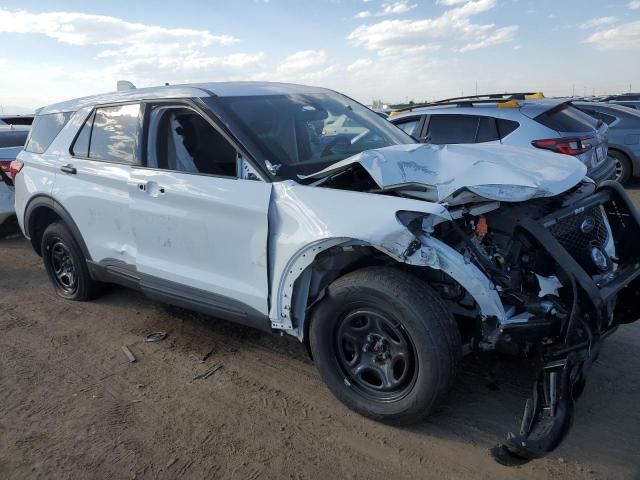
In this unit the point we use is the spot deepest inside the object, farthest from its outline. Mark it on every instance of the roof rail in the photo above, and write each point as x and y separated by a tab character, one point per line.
508	99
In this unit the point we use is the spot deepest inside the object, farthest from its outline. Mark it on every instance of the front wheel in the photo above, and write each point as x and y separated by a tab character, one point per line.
385	344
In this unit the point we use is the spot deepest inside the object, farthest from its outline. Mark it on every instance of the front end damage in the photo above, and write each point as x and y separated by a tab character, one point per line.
531	259
566	271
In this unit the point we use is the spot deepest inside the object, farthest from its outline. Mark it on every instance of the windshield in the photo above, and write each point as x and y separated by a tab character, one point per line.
304	133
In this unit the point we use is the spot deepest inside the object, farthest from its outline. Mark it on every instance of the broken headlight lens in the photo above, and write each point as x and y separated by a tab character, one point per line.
505	193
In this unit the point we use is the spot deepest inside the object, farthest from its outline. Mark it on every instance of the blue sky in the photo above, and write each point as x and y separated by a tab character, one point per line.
369	49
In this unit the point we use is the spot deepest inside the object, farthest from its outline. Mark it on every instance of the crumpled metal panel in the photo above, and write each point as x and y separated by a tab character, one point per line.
449	168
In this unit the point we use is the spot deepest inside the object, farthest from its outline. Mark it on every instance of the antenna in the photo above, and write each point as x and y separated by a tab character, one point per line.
124	85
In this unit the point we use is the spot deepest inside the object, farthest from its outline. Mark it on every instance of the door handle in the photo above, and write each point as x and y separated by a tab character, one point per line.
69	169
151	188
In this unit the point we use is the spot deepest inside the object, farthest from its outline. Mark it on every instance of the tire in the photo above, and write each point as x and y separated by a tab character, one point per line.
623	166
347	337
66	265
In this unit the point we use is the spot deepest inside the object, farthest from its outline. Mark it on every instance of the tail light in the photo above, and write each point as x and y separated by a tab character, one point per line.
4	170
8	170
565	145
14	168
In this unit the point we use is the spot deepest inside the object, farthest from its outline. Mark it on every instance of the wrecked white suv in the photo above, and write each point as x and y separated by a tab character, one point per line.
390	259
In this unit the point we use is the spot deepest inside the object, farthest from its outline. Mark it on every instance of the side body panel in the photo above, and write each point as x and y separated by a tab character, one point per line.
205	232
96	197
36	178
305	220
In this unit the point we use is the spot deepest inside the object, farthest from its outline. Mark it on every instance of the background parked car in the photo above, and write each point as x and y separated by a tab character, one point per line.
12	140
16	119
634	104
524	120
624	135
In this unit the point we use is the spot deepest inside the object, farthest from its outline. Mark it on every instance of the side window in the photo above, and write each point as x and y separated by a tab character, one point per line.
44	130
487	130
505	127
182	140
409	126
110	134
13	138
452	129
608	119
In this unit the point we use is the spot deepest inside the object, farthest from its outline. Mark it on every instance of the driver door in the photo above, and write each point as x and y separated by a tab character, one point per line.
200	231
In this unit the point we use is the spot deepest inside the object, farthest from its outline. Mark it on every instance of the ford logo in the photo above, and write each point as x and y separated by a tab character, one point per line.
587	225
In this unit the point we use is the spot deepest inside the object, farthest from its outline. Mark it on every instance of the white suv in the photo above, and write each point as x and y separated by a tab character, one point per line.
387	257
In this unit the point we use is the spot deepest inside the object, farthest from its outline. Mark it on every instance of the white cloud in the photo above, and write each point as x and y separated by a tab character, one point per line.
363	14
360	64
634	4
598	22
135	50
454	23
408	51
622	36
450	3
501	35
302	60
76	28
395	8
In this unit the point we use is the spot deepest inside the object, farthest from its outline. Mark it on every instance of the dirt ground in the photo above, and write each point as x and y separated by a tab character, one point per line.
71	405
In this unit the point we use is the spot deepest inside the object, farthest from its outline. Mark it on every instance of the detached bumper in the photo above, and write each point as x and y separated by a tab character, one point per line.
600	306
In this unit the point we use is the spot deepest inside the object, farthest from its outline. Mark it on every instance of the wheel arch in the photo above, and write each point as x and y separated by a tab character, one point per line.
42	211
317	265
635	165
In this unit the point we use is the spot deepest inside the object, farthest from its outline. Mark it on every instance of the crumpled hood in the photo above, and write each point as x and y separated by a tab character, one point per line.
495	171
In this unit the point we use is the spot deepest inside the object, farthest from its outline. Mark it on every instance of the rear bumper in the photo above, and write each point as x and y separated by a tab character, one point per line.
605	171
601	304
7	203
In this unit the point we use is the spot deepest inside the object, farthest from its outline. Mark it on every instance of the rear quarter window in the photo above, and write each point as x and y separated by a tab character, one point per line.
45	129
110	134
506	127
567	118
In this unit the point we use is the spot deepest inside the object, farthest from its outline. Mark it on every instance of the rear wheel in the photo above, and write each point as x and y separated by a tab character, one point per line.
66	265
623	166
385	344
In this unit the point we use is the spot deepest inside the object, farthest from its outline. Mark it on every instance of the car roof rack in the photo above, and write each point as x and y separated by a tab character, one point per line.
502	99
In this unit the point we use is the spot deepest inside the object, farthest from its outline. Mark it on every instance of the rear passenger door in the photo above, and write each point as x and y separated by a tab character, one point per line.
200	231
452	129
92	180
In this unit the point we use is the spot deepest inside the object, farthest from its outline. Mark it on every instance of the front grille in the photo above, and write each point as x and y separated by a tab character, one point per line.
570	232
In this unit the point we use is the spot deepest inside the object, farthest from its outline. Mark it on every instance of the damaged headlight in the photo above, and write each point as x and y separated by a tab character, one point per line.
505	193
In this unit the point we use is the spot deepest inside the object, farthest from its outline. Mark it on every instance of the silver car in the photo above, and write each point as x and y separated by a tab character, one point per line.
513	119
624	135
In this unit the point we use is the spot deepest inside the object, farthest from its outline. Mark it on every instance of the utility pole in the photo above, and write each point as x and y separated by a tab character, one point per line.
573	90
476	87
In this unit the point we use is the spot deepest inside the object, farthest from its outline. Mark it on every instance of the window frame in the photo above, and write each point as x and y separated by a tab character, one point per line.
137	152
492	121
418	133
190	104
